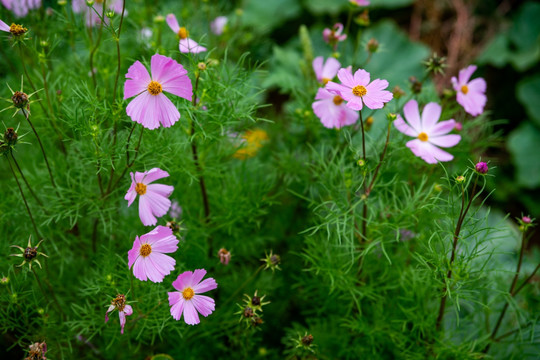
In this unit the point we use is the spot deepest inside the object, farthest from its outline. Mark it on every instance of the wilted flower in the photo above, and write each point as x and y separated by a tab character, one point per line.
151	107
251	142
187	300
147	257
20	8
357	90
186	45
119	303
332	110
325	71
470	94
359	2
334	36
153	198
224	256
481	168
429	133
29	254
37	351
218	25
91	11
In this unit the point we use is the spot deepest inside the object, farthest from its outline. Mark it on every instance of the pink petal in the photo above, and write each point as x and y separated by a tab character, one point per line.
177	307
473	103
418	149
159	204
158	233
128	310
164	263
198	274
205	285
168	244
361	77
430	116
465	74
131	194
442	128
203	304
323	93
138	177
404	128
375	99
455	84
183	281
4	26
134	252
191	317
317	67
338	89
330	68
412	115
172	76
122	321
477	85
163	110
138	80
153	175
111	308
445	140
173	23
353	102
151	270
139	270
346	77
190	46
145	211
138	111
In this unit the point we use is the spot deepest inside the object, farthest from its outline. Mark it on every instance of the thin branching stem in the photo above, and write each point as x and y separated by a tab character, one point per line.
364	207
96	46
25	181
34	89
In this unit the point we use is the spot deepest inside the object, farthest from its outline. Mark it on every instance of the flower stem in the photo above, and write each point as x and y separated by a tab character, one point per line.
24	199
96	46
25	181
34	89
364	207
25	113
462	214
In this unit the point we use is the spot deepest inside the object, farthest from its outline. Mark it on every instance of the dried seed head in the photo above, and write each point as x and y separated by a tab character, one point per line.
20	99
256	300
10	136
307	340
17	30
248	312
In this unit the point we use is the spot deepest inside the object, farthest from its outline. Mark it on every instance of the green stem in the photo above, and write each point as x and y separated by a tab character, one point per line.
24	179
96	46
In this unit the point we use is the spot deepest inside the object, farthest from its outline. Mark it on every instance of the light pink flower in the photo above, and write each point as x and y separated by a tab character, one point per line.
119	303
334	35
20	8
147	257
91	15
186	45
360	2
325	71
470	94
332	111
153	198
151	107
4	27
429	133
218	25
357	90
187	300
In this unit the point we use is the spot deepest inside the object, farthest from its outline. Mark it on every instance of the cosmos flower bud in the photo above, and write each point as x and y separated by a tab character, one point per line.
159	19
224	256
416	86
62	2
391	116
436	64
481	168
361	162
372	45
458	126
110	14
526	220
525	223
201	66
460	179
363	18
20	99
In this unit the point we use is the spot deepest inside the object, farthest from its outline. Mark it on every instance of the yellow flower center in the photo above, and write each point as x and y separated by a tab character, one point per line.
140	188
188	293
423	136
154	88
369	120
17	30
145	250
183	33
325	80
464	89
337	100
359	90
99	1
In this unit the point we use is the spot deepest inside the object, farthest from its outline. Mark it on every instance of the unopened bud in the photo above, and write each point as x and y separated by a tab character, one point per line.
436	64
110	13
307	340
361	162
460	179
10	136
397	92
526	220
372	45
19	99
159	19
363	18
416	86
458	126
481	168
391	116
89	3
201	66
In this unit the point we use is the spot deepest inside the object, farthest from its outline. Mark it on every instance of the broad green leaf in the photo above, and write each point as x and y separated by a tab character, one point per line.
523	144
264	16
528	93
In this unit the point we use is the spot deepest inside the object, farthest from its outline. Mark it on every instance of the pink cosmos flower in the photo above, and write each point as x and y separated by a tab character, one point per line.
470	94
4	27
332	110
187	300
357	90
20	8
151	107
153	198
429	133
360	2
325	71
147	257
218	25
91	15
119	303
334	35
187	45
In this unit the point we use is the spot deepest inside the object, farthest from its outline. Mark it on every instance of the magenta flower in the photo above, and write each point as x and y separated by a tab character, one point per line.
91	15
187	300
218	25
429	133
20	8
325	71
357	90
360	2
147	257
153	198
481	168
186	45
332	111
4	27
470	94
119	303
151	107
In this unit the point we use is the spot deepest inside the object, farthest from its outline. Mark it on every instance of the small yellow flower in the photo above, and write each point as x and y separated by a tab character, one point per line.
252	141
